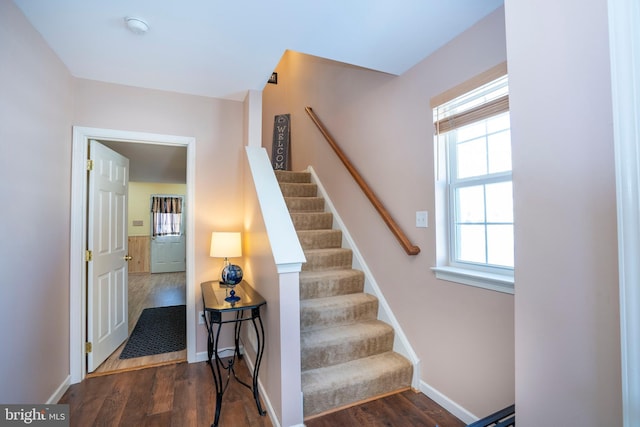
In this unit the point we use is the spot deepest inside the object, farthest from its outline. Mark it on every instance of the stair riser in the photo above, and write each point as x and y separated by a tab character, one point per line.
312	220
305	204
338	260
340	352
288	176
298	190
320	239
312	318
331	286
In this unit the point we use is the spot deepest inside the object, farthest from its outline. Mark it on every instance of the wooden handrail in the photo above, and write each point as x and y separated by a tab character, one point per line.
409	248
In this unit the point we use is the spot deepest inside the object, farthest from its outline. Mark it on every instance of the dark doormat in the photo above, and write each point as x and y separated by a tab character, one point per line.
159	330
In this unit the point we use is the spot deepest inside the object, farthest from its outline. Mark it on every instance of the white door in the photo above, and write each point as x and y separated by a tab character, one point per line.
107	300
168	253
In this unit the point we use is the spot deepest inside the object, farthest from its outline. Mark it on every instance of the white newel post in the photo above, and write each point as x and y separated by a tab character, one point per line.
290	367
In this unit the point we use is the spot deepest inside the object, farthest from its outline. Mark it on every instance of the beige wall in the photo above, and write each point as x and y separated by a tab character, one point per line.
567	316
464	336
35	179
139	203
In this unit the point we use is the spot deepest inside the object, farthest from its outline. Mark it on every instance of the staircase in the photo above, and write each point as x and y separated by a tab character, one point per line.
347	354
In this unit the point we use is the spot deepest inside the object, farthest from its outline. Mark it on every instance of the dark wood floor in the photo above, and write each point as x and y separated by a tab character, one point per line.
183	395
398	410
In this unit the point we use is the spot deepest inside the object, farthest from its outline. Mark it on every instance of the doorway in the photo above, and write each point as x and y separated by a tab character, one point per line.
78	271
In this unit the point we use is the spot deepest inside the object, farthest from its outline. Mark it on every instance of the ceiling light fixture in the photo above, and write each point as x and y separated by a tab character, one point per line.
136	25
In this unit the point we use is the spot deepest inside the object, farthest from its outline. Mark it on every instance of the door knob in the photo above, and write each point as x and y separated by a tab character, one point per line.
128	257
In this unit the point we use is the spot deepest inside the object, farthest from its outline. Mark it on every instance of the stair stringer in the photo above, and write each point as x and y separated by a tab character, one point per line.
401	343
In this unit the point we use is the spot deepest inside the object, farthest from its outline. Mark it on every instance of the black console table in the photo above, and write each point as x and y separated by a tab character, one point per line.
246	309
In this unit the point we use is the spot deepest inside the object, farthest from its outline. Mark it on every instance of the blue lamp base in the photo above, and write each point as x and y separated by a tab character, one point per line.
231	276
232	297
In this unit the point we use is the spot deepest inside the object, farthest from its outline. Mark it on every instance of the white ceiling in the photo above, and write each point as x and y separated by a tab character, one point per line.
224	48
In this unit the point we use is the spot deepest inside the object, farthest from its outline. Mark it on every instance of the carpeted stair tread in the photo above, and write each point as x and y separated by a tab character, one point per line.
326	312
320	239
295	189
321	284
327	259
292	176
304	204
340	344
312	220
340	385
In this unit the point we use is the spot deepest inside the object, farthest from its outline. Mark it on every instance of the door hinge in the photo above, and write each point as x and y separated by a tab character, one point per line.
88	256
89	165
88	347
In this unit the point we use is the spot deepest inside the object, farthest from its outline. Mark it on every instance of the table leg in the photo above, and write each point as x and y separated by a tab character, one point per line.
255	314
237	329
215	362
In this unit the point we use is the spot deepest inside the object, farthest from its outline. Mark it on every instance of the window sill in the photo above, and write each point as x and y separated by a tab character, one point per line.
479	279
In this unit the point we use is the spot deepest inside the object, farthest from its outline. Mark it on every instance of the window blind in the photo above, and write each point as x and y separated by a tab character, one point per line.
489	98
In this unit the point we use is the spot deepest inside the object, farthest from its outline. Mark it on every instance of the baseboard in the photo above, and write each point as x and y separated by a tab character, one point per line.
265	397
62	388
448	404
202	356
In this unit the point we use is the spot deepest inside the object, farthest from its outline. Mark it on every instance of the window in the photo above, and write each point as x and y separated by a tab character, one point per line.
473	150
166	215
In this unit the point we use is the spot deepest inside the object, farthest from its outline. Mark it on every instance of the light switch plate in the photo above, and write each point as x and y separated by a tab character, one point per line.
422	219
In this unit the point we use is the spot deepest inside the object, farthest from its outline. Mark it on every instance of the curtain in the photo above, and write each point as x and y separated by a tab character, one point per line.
167	215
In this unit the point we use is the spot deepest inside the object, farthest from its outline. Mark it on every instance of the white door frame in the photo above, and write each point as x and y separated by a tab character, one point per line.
77	268
624	33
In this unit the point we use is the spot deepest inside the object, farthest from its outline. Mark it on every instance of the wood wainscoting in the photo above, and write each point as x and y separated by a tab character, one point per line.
139	250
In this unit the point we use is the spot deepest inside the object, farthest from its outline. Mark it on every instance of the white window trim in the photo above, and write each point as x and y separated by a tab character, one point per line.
477	278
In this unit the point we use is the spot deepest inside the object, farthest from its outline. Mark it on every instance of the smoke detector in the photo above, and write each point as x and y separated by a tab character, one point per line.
136	25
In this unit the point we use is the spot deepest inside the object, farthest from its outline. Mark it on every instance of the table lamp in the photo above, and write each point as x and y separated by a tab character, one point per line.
228	245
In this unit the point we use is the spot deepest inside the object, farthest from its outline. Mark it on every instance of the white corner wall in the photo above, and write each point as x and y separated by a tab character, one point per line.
566	302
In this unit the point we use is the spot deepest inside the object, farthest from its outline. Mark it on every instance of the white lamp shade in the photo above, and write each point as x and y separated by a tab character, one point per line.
226	244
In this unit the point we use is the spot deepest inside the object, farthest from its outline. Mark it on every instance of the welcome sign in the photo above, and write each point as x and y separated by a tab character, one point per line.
281	142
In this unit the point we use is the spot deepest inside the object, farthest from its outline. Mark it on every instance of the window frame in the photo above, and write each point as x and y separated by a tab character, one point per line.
497	278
